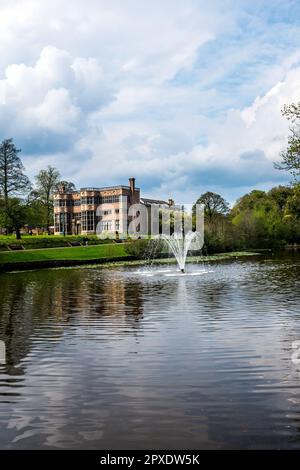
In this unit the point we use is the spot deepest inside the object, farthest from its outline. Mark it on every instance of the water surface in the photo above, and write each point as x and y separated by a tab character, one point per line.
130	358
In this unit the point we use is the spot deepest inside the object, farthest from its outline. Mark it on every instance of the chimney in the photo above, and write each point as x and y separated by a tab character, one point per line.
171	202
132	184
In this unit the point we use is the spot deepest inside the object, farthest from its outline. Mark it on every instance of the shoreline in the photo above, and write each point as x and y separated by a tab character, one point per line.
108	262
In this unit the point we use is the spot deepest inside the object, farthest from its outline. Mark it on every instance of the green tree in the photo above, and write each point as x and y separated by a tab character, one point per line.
217	233
259	218
280	195
36	211
13	181
293	203
214	206
47	182
290	158
17	213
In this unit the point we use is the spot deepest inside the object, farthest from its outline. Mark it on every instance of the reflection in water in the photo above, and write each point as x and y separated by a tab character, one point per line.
114	358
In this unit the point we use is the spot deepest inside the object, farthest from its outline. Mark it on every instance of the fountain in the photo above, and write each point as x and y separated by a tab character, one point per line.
179	244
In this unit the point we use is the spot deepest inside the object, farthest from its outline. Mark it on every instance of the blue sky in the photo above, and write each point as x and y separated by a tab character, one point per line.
185	96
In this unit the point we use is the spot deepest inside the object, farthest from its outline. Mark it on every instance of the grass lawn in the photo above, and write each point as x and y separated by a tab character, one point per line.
71	253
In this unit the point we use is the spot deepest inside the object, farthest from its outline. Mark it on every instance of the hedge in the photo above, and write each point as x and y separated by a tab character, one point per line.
50	241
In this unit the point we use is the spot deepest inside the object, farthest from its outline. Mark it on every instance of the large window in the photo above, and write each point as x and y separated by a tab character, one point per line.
106	199
64	203
106	225
117	225
57	222
99	199
88	220
88	200
63	222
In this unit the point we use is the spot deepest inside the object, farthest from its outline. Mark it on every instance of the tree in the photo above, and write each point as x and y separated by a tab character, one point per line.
47	183
13	181
17	214
68	186
259	218
36	211
290	158
249	201
214	206
280	195
293	203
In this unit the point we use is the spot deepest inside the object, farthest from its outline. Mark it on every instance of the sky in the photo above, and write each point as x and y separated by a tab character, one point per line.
184	95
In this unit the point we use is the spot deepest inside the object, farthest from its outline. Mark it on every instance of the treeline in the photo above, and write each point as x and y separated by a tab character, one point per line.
23	203
259	219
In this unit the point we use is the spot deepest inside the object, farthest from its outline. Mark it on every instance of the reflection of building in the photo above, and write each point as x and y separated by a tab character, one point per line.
71	298
80	212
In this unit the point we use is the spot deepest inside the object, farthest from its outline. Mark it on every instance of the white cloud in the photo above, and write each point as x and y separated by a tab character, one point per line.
239	151
56	113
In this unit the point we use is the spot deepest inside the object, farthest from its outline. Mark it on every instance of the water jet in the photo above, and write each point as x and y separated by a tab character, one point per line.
179	244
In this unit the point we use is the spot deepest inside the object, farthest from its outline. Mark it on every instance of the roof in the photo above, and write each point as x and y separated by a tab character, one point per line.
89	188
105	188
153	201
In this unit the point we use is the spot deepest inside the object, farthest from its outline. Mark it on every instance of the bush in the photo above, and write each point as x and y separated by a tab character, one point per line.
137	248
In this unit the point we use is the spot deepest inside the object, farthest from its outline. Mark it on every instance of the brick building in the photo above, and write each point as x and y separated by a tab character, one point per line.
79	212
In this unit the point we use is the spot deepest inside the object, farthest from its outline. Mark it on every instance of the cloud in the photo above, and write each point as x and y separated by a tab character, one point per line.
186	97
48	103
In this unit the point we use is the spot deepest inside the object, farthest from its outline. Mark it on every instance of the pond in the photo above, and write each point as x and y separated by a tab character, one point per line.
134	359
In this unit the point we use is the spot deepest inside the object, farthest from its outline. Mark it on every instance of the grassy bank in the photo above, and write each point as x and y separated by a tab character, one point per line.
57	255
107	254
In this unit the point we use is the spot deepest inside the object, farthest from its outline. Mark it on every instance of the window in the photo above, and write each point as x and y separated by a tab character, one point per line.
117	211
105	199
87	200
106	225
56	222
107	212
64	203
117	225
63	222
88	220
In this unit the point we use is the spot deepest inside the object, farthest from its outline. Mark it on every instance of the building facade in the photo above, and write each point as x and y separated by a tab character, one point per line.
90	209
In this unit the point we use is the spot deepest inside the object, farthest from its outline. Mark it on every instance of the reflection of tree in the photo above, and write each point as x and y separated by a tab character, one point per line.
134	305
44	303
215	295
15	322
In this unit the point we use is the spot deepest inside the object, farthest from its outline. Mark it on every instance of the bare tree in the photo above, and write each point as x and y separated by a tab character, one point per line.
13	181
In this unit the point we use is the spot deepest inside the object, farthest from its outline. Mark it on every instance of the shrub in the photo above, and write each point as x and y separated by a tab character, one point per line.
137	248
